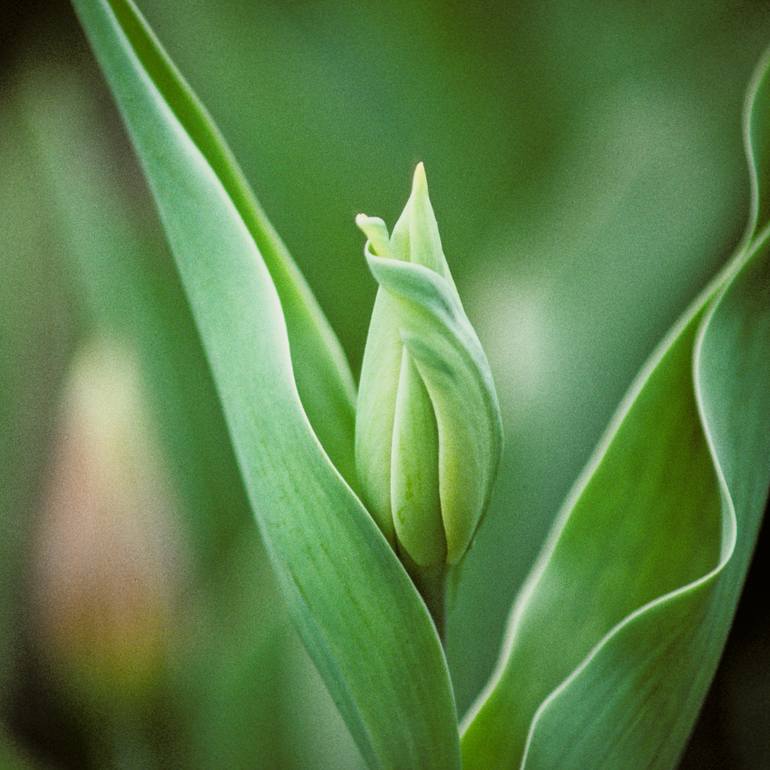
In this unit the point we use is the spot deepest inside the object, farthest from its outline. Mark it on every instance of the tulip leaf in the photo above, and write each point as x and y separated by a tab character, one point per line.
617	633
323	377
359	615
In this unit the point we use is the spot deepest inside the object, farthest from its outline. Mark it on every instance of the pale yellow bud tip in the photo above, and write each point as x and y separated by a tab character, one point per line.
420	181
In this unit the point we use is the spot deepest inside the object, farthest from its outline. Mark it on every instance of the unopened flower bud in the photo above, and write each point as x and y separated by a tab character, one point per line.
428	429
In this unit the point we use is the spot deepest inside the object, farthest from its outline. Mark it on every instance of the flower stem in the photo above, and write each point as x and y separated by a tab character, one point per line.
431	583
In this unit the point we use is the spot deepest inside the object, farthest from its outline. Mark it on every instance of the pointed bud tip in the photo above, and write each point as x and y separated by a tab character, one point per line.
420	181
376	234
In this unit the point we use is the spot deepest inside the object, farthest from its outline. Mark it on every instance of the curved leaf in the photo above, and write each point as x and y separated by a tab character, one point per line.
321	370
618	631
359	615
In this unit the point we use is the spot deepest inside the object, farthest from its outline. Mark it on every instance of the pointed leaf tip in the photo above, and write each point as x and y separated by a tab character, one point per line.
376	232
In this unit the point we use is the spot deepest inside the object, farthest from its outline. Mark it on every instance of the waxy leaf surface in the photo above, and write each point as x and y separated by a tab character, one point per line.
616	635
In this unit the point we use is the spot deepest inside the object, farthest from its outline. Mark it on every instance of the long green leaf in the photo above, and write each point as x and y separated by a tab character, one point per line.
360	617
131	288
323	377
616	636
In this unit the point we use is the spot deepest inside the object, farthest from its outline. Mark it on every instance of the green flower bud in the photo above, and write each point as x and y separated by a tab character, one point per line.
428	429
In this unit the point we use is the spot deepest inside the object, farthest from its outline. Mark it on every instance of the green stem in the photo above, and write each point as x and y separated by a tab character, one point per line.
431	583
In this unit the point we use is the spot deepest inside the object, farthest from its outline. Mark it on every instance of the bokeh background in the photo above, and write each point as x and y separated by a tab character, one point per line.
586	166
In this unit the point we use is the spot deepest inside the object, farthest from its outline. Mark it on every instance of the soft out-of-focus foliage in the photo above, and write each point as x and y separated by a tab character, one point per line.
599	152
36	338
225	685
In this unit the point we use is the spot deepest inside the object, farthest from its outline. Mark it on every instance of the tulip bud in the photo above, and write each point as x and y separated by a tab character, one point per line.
428	429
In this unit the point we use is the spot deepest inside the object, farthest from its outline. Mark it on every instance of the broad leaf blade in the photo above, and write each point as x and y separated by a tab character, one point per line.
320	368
360	617
675	643
617	634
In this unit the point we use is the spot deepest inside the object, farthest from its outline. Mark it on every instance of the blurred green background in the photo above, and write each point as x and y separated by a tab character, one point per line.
586	167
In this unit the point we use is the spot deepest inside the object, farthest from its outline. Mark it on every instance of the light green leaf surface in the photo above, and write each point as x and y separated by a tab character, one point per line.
616	635
323	377
359	615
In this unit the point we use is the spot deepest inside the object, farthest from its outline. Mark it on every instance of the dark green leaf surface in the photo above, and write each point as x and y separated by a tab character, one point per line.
360	617
616	636
11	757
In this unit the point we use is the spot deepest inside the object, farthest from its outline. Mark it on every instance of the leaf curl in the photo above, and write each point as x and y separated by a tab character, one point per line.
616	635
